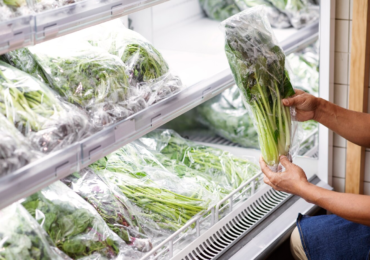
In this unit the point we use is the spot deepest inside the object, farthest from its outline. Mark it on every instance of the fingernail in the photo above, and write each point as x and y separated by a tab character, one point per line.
285	102
282	157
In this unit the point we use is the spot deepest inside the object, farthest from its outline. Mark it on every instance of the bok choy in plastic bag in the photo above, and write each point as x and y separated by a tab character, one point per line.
88	77
21	237
38	113
116	214
15	152
258	66
74	225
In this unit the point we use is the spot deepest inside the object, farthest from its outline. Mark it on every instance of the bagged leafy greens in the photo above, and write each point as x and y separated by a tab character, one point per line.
164	200
300	12
38	113
88	77
220	10
225	169
15	152
148	72
115	213
258	65
73	225
21	237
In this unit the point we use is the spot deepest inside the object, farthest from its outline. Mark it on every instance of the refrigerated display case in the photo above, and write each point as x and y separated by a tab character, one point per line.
193	45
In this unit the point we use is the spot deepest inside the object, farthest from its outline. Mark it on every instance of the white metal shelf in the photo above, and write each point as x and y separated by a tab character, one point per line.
39	27
57	165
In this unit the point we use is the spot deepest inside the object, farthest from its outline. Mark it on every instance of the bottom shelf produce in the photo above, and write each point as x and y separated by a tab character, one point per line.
133	199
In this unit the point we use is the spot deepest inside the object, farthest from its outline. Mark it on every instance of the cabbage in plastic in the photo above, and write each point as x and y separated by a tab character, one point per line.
38	113
15	152
73	225
21	237
116	214
226	170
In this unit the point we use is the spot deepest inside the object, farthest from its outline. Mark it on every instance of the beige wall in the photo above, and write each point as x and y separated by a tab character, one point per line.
343	26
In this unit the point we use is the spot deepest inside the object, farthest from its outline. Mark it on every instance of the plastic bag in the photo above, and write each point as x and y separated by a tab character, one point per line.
226	170
117	215
220	10
88	77
14	8
15	152
47	122
227	116
21	237
74	225
258	66
148	71
163	198
44	5
300	12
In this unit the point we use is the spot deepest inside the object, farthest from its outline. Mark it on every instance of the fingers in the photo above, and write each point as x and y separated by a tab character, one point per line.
268	182
294	101
299	91
285	162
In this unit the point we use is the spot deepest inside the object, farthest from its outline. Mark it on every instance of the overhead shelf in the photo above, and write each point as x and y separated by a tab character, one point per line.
32	29
57	165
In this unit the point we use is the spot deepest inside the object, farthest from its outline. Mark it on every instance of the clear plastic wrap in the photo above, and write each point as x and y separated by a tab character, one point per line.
117	215
44	5
165	200
220	10
300	12
21	237
226	170
74	225
38	113
258	66
226	116
14	8
15	152
148	72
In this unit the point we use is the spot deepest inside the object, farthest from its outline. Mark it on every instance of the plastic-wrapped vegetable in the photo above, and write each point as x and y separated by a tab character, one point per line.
14	149
21	237
13	8
225	169
5	12
220	10
258	66
163	198
227	116
117	215
300	12
73	225
23	60
148	71
91	78
36	111
44	5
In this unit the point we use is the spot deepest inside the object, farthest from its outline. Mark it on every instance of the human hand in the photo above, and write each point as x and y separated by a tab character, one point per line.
305	105
292	180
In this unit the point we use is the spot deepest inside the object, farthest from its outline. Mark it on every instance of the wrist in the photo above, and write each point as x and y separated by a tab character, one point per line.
320	109
303	190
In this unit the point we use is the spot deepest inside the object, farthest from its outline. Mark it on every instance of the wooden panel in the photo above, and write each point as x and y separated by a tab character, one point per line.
358	90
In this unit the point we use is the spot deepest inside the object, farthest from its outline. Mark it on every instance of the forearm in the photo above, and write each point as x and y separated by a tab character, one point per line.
351	125
349	206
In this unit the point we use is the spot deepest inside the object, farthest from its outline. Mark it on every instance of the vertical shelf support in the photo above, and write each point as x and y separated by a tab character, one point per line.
358	90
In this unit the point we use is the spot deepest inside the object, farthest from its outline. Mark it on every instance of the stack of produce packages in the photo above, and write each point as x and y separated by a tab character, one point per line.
280	13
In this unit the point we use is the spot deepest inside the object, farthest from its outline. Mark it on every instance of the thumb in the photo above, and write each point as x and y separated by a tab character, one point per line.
285	161
293	101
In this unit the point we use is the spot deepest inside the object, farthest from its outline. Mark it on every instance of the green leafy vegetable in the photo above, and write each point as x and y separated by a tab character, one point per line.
21	237
258	66
72	224
115	213
37	112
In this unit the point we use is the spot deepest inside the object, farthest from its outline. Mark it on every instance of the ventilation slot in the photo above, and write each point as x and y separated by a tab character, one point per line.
239	226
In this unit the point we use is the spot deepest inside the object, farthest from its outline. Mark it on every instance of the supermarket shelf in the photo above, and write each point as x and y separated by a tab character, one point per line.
59	164
29	30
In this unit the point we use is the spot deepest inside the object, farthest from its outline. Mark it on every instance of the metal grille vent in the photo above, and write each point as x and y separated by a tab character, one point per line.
239	226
